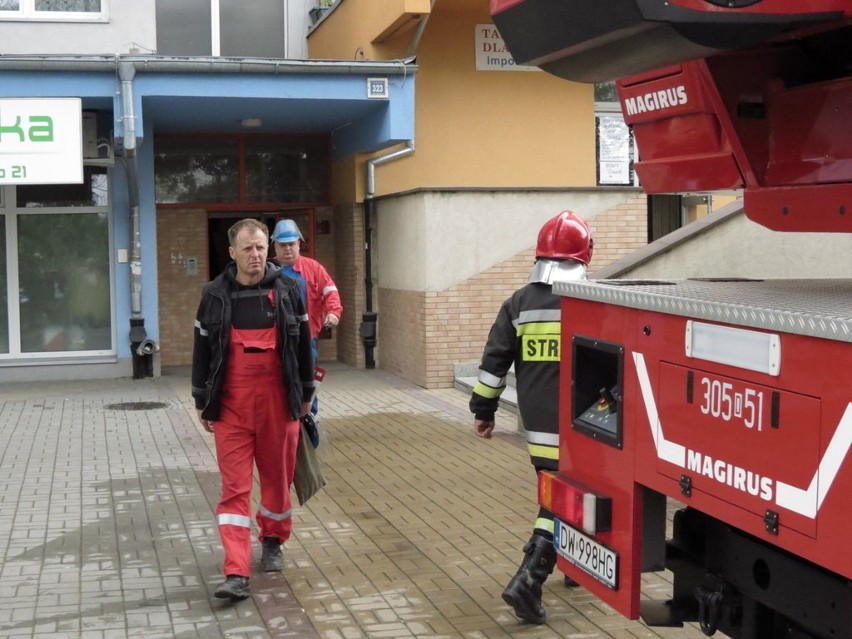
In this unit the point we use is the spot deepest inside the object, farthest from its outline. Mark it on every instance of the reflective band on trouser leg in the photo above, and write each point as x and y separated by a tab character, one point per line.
235	532
235	454
277	440
539	452
543	448
235	433
544	524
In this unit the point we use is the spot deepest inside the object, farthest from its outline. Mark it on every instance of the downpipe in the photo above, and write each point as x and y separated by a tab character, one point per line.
142	348
369	320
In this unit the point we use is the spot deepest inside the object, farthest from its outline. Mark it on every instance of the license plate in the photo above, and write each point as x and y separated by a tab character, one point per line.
586	553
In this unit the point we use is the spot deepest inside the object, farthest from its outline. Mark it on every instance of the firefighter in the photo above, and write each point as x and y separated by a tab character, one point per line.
251	327
527	334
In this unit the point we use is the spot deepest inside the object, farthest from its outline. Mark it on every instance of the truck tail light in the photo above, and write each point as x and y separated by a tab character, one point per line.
574	504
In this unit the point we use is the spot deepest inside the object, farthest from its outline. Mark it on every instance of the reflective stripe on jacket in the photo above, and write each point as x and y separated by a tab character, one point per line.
526	333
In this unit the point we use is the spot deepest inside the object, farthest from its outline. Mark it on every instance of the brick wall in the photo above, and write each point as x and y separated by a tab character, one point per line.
348	234
325	252
181	233
619	231
422	335
402	334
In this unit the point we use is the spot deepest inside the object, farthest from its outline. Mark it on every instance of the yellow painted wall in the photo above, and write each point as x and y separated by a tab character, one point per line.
473	128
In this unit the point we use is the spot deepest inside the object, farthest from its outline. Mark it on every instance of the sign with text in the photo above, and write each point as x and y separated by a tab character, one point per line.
615	151
491	51
41	141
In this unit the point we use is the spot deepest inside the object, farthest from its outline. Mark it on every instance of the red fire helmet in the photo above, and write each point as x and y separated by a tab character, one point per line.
565	237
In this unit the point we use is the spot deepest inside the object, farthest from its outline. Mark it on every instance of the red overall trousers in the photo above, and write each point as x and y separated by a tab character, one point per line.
254	427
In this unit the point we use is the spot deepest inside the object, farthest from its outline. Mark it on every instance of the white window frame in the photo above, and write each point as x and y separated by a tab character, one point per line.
27	12
16	356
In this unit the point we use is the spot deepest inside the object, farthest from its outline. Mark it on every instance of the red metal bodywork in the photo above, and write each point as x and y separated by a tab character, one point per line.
752	95
814	398
734	124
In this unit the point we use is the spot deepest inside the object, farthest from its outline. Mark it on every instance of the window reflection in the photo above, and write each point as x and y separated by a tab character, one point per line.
275	169
64	282
92	6
94	191
286	170
196	170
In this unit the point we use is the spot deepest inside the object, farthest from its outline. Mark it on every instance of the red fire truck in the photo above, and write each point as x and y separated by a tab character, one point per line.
732	397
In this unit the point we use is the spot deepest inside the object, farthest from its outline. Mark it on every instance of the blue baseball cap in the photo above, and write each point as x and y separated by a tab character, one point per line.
286	231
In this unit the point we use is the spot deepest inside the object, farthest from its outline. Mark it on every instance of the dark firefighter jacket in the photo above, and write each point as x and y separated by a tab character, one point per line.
527	334
213	334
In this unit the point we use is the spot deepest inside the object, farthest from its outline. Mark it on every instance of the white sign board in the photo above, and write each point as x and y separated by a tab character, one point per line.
41	141
614	151
491	51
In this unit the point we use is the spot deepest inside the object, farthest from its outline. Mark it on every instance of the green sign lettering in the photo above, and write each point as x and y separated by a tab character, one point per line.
40	129
14	129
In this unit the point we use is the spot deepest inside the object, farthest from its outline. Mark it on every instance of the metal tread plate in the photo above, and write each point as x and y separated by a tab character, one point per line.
813	307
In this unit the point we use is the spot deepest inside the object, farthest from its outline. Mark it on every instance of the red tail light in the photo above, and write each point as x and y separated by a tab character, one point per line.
574	504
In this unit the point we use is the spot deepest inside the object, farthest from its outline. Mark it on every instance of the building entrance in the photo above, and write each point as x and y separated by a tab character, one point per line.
219	223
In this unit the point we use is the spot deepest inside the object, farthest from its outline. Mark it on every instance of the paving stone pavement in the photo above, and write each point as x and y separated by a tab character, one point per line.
107	526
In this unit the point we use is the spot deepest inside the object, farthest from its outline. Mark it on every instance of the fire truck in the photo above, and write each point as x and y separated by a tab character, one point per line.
730	398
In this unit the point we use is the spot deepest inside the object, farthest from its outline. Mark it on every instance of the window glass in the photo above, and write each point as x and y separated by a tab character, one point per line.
287	169
183	27
265	23
605	92
4	287
63	262
94	191
88	6
196	170
55	10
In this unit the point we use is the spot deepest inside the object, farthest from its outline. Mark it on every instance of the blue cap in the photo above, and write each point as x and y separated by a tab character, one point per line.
286	231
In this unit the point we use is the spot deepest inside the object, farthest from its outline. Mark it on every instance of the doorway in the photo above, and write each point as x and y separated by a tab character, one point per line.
219	223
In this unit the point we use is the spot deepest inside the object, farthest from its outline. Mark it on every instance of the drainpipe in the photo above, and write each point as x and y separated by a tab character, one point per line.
369	319
418	33
141	348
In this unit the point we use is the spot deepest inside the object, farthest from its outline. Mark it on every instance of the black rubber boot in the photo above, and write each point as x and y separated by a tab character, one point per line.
523	593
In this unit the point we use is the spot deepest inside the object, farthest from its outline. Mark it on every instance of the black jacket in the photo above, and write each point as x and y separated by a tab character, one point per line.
526	333
213	335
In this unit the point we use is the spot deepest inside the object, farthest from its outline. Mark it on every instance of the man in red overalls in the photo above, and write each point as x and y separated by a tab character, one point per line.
252	379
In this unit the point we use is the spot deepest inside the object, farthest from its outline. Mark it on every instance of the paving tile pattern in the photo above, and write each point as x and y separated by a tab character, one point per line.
107	494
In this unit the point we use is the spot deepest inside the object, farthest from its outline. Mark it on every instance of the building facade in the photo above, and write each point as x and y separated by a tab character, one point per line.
497	150
195	113
100	272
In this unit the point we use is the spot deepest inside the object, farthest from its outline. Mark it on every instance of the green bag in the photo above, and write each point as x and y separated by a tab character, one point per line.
308	478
